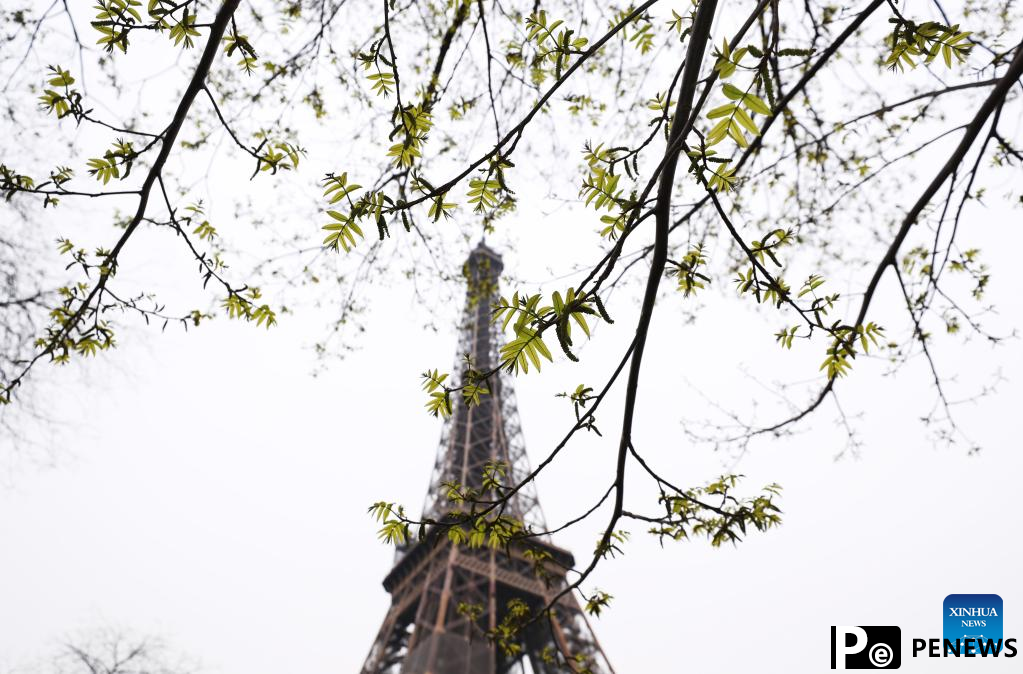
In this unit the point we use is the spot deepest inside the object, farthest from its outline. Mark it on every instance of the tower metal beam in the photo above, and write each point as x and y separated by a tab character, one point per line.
424	632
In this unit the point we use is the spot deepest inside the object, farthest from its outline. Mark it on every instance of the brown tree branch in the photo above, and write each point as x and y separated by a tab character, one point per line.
170	135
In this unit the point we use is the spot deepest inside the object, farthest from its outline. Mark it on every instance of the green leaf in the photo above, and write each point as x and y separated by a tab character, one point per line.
746	121
733	92
756	104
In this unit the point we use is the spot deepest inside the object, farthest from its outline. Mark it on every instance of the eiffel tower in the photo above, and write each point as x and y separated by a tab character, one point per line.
423	631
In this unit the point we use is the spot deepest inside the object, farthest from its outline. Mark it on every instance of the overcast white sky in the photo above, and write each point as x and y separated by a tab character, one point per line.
206	489
229	519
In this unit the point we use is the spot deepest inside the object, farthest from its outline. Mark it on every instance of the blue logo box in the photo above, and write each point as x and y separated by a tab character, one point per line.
973	616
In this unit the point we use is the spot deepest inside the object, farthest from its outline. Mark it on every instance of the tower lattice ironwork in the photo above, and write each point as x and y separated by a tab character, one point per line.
423	631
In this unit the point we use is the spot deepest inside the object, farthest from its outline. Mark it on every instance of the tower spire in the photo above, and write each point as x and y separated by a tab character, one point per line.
425	632
482	270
